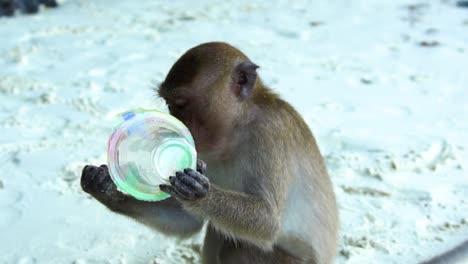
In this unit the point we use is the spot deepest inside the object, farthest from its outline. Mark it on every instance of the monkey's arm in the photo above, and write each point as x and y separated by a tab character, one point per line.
166	216
250	216
253	216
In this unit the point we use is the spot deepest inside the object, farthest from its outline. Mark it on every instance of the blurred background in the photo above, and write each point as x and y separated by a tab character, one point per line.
382	84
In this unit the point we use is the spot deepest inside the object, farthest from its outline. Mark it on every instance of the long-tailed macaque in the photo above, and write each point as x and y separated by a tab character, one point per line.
265	193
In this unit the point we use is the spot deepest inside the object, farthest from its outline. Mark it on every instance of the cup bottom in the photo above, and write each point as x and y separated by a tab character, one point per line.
172	155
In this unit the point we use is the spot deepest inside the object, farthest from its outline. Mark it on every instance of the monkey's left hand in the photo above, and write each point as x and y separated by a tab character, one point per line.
188	185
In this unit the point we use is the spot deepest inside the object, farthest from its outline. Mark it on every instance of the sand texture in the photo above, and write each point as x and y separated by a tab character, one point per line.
383	85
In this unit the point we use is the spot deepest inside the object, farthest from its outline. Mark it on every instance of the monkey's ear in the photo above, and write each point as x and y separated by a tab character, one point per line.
244	79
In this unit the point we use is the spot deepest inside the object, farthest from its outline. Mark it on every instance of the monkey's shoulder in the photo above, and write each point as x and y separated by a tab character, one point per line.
283	122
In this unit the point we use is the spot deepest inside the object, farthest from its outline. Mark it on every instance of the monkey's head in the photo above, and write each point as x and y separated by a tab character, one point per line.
211	89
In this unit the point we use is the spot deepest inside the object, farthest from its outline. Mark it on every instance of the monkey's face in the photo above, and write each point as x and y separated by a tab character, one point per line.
194	112
204	108
207	89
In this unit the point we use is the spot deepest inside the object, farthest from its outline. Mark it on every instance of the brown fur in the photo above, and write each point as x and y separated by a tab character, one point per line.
258	151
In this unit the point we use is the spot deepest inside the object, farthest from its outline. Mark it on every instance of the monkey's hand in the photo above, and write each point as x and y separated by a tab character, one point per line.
97	182
188	185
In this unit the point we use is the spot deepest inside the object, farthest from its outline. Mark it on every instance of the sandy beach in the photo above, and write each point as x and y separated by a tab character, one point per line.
382	84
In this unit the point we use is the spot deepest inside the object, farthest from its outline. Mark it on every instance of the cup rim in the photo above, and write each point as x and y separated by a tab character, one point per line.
119	134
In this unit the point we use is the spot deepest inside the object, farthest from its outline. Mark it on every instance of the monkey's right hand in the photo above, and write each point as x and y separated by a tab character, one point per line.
188	185
97	182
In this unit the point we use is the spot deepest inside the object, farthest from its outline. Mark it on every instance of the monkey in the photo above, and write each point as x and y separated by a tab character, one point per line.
7	7
261	184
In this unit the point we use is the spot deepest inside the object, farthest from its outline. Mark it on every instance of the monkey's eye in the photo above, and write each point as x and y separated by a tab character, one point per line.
177	104
180	103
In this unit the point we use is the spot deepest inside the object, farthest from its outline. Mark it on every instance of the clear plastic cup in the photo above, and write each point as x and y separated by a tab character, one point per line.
147	148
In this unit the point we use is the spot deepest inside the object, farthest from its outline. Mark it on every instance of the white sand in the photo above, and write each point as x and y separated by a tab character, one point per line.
389	114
